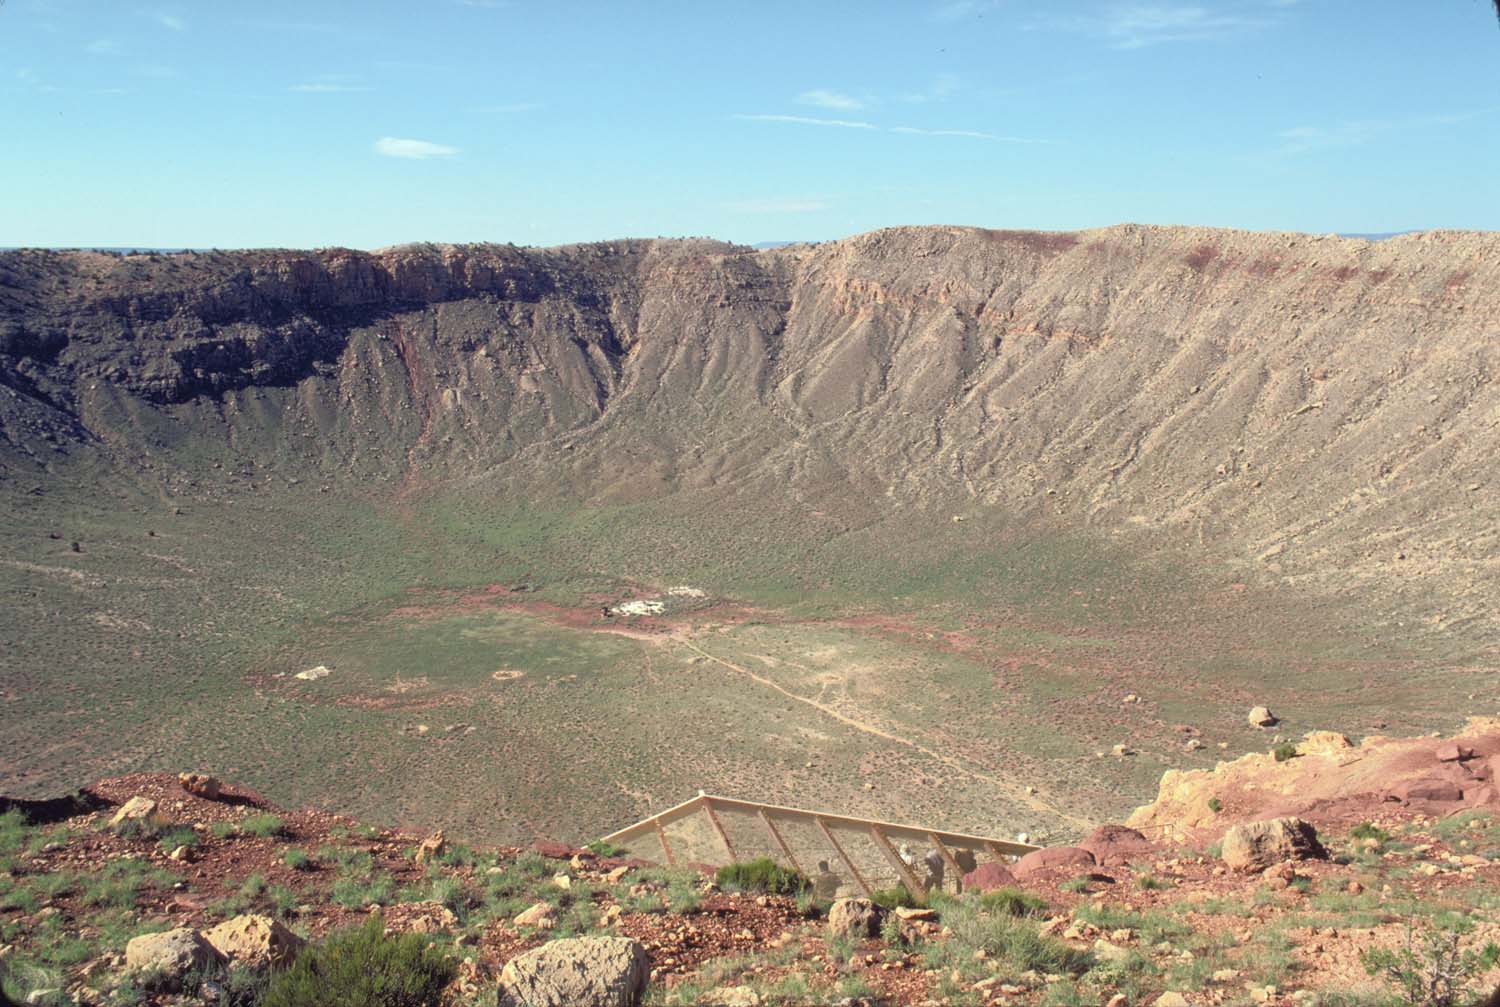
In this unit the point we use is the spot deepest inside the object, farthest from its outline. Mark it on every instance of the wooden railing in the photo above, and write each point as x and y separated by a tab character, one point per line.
712	831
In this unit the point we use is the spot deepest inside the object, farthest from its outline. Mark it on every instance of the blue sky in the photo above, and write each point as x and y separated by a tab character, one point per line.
233	124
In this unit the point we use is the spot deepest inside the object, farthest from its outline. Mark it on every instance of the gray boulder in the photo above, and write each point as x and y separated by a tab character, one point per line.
169	955
577	972
855	918
1255	846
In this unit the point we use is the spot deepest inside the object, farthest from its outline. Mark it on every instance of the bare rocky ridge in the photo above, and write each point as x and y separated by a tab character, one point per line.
1318	408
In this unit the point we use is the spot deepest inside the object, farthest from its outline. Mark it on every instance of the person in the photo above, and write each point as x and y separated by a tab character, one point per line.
825	882
935	864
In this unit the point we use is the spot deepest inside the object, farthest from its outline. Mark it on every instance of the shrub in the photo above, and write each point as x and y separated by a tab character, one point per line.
600	848
893	898
1437	971
1215	805
762	875
1369	830
1151	883
263	826
1014	943
1011	902
13	829
298	860
223	830
364	968
1284	751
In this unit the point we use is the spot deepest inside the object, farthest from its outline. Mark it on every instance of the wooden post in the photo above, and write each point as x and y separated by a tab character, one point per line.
786	850
903	869
713	820
958	875
666	848
828	835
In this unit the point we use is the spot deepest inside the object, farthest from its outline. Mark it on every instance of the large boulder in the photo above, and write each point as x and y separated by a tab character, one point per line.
855	918
256	941
988	878
166	957
1116	845
1052	860
1434	789
200	785
137	809
1255	846
1259	716
577	972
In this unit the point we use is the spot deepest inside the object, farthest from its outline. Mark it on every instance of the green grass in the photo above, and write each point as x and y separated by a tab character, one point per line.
263	826
299	860
120	882
1012	902
372	585
1014	942
353	892
177	836
762	875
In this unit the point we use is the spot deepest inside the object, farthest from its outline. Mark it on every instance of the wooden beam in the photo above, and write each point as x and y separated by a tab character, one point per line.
645	825
903	869
786	850
998	852
918	832
958	875
666	847
863	884
713	819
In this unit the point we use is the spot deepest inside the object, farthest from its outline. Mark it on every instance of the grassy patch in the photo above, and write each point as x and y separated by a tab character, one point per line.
762	875
263	826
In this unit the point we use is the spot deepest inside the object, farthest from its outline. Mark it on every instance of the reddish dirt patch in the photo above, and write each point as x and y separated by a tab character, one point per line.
1041	242
1199	258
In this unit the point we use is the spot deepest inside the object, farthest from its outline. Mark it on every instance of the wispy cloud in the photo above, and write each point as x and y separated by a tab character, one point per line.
1353	133
296	27
829	99
807	120
1137	26
943	87
972	134
415	150
102	46
166	20
779	206
327	87
491	4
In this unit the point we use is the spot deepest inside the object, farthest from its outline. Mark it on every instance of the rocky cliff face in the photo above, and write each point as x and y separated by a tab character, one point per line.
1318	407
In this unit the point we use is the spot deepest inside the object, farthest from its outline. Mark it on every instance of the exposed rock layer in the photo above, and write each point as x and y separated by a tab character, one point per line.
1312	406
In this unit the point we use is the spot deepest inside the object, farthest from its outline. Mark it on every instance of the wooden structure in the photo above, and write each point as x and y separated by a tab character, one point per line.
712	831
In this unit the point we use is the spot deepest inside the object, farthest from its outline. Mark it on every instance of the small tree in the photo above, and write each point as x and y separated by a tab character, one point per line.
1435	971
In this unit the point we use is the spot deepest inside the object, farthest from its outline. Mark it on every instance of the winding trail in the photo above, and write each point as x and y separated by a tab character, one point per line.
1011	790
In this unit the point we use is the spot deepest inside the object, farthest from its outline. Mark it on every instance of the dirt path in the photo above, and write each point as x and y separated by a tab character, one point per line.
1015	792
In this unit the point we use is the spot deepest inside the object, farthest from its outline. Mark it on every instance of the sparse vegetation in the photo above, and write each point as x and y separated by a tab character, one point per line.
1435	968
263	826
364	968
762	875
